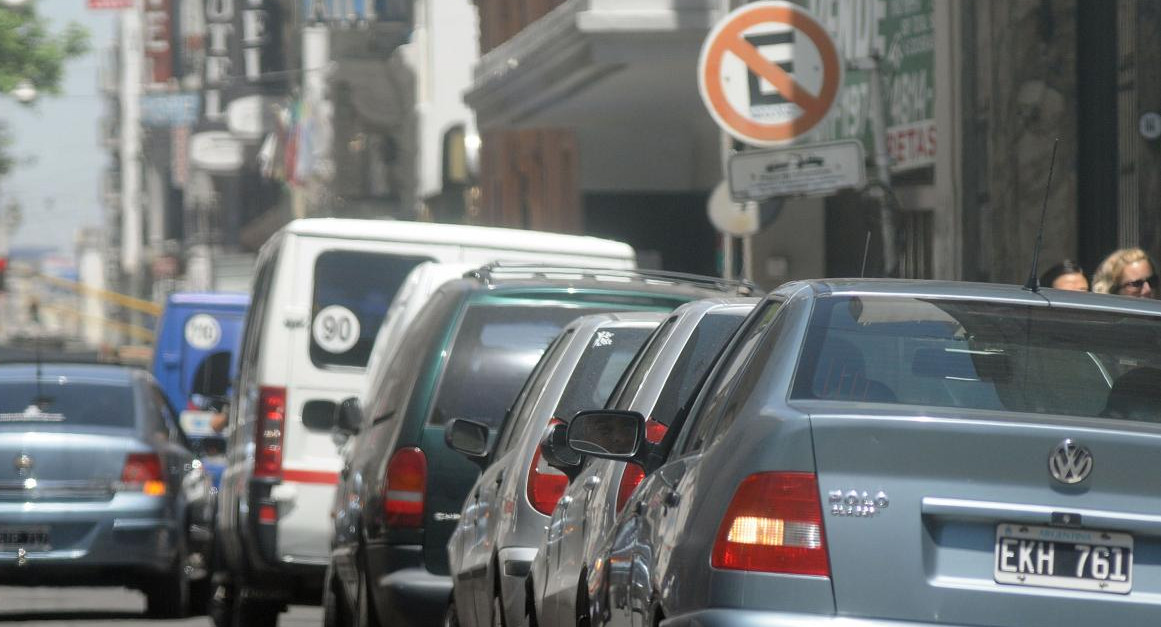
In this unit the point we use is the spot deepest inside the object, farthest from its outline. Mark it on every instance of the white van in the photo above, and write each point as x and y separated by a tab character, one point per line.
321	289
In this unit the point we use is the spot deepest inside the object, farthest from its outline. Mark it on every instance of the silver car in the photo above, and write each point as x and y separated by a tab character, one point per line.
900	453
98	485
662	379
505	513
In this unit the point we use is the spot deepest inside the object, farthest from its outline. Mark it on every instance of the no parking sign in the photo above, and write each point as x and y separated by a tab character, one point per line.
769	73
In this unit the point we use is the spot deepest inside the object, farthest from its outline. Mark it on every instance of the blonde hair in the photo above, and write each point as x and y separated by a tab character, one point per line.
1107	278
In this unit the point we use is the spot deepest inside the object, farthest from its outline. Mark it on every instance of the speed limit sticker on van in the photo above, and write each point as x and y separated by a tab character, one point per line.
336	329
203	332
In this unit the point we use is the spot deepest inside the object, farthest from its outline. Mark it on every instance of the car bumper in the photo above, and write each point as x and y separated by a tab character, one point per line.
751	618
128	538
404	591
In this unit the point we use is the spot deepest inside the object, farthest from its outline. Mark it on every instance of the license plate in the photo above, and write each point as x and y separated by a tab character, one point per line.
1055	557
27	538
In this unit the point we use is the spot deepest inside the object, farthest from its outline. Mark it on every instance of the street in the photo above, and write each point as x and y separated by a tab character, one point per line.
105	606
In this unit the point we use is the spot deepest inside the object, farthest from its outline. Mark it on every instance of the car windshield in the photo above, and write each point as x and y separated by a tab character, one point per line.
600	367
982	355
495	349
61	402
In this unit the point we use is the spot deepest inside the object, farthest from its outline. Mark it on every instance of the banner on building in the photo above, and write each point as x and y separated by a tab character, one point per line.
902	33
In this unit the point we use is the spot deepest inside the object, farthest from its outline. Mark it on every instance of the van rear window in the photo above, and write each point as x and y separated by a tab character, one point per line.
71	404
352	291
494	351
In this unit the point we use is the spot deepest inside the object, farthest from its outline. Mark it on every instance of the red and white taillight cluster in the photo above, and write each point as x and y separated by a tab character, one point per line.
143	473
270	430
774	524
404	484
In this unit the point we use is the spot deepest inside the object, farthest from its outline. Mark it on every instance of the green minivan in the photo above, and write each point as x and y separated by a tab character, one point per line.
466	355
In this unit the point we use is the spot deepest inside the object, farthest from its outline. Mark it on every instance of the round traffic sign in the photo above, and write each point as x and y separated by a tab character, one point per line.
768	73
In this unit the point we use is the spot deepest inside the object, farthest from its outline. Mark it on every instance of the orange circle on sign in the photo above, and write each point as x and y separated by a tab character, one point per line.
727	37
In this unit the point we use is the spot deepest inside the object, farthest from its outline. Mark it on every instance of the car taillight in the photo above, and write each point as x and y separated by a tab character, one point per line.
630	479
269	426
545	485
655	431
142	472
403	488
774	525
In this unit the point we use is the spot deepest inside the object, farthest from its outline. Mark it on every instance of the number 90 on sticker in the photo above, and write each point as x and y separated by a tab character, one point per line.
336	329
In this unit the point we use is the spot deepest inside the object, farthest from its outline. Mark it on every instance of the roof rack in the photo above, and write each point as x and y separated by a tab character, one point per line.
492	272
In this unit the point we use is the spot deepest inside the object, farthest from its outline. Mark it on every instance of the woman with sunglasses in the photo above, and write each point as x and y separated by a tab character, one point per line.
1128	272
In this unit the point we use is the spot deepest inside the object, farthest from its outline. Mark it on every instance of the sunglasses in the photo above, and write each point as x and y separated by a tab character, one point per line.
1140	283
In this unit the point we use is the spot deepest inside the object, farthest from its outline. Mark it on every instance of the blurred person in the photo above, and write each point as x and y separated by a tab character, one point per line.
1066	275
1128	272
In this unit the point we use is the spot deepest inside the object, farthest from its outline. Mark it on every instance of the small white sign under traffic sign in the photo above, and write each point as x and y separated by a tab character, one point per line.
797	171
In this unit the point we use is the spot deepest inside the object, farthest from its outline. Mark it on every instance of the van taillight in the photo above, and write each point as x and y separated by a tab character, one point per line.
403	488
545	485
774	525
270	429
142	472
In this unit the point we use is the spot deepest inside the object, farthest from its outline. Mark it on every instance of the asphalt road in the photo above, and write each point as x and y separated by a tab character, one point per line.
80	607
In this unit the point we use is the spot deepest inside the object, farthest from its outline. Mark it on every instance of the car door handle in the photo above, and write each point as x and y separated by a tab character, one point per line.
499	477
592	482
671	499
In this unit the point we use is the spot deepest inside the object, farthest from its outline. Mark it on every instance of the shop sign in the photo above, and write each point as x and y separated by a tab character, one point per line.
902	32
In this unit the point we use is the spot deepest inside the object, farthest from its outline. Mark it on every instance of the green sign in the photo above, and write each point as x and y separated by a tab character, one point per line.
902	34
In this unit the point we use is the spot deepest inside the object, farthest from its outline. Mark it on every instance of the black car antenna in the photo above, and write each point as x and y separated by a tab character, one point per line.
1033	282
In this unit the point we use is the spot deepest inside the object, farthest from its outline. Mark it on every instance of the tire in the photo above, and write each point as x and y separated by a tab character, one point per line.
221	606
333	615
368	616
451	618
251	613
169	597
498	612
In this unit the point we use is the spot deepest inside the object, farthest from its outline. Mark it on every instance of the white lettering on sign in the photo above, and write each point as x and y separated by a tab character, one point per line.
203	332
336	329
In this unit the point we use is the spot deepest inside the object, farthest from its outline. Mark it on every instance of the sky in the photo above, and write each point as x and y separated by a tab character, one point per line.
59	184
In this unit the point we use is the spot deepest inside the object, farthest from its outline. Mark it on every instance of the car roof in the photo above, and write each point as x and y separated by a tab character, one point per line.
209	298
92	373
919	288
457	234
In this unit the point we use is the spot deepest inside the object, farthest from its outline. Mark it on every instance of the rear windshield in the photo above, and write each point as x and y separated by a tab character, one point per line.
494	351
74	404
608	353
352	291
982	355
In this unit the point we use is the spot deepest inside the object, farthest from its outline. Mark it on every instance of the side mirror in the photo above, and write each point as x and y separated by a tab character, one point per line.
607	433
468	438
350	418
556	452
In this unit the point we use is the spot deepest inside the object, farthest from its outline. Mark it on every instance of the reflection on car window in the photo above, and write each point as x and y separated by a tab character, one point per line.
352	291
635	377
982	355
608	353
73	404
494	350
699	353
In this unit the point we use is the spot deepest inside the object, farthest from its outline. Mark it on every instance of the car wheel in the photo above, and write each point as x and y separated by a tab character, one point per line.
221	601
498	612
583	619
451	618
251	613
368	615
332	612
169	597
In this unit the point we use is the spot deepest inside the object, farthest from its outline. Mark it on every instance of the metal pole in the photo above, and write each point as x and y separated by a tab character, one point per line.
727	147
131	222
883	166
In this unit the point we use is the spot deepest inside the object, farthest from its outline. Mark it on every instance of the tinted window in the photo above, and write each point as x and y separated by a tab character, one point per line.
495	349
352	291
87	404
522	406
635	376
608	352
707	340
982	355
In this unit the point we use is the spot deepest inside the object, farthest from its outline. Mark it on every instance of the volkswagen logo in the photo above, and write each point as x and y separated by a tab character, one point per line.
23	464
1070	462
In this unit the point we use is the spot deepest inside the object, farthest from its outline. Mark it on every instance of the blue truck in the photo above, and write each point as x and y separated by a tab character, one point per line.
195	351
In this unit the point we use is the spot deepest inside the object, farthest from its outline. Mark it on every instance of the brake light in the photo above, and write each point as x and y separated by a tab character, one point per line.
630	479
545	485
142	472
774	524
403	488
269	433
